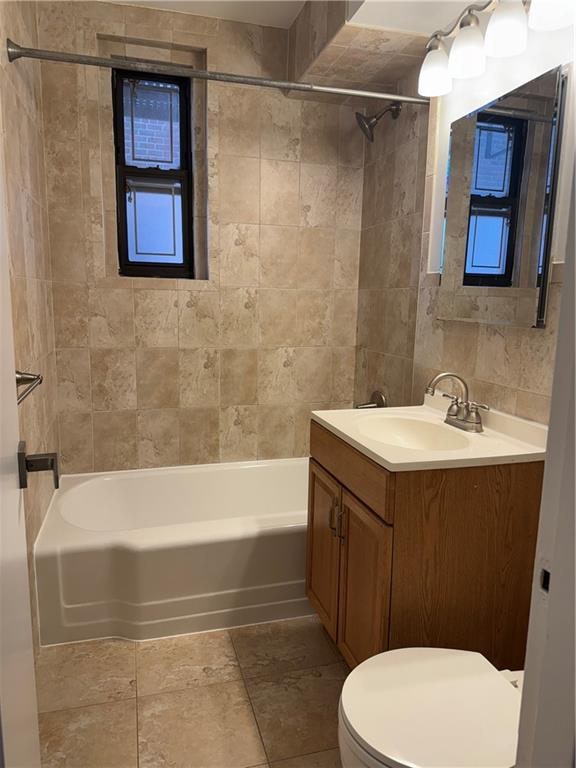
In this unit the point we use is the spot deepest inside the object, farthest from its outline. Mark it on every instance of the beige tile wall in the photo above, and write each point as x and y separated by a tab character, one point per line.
161	372
509	368
390	255
311	32
27	241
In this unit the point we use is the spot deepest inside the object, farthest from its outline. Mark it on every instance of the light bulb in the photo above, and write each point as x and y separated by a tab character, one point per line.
507	31
548	15
467	57
434	79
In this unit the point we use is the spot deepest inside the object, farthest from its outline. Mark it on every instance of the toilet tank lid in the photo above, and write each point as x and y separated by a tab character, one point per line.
431	707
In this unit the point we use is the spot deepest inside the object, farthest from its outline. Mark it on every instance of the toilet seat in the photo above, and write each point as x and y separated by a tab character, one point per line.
429	708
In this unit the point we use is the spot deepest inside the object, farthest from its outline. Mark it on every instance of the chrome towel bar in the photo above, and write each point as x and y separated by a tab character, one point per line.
28	380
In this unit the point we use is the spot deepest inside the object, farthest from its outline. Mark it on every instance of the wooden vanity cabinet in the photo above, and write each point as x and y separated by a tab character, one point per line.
324	505
423	558
349	565
365	571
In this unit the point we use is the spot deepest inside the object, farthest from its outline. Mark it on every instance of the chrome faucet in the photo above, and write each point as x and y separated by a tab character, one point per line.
462	412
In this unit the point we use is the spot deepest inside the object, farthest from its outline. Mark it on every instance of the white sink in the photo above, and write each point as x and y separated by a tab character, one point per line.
414	434
416	437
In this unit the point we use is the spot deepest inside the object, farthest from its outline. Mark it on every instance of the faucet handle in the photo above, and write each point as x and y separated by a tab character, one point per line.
472	413
474	406
454	407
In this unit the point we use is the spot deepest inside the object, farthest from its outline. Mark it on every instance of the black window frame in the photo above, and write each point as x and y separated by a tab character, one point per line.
492	203
184	175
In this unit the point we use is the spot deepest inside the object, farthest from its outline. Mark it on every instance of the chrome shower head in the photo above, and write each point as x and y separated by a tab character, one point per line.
367	124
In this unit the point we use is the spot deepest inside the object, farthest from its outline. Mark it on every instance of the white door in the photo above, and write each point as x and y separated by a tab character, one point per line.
546	735
18	719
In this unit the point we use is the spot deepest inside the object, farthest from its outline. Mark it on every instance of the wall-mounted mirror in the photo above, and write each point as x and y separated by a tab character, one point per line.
499	211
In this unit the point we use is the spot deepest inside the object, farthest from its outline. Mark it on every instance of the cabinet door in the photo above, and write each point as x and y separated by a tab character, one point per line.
323	560
365	579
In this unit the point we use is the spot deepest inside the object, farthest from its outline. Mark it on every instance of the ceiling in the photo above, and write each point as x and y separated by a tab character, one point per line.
267	13
419	17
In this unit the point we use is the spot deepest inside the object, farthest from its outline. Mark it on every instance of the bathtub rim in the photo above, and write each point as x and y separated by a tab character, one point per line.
83	477
54	533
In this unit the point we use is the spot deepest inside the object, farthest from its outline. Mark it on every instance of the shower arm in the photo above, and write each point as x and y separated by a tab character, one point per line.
395	109
16	51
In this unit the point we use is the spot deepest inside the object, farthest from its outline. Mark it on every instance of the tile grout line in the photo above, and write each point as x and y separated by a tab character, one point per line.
291	671
137	708
304	754
249	697
87	706
243	679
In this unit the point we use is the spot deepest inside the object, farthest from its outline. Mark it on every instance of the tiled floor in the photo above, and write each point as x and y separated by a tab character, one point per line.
265	695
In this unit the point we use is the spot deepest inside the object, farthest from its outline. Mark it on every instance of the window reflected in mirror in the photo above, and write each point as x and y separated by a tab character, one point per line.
499	206
499	145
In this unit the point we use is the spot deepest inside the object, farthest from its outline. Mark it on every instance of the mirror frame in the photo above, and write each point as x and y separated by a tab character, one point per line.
561	90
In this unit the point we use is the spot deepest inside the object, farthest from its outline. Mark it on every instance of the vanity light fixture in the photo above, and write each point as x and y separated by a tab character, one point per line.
467	58
548	15
435	78
507	30
506	36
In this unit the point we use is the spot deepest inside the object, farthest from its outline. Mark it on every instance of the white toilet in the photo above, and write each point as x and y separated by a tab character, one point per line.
428	708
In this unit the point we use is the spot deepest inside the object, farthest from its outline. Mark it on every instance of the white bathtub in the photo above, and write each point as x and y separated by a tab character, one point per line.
150	553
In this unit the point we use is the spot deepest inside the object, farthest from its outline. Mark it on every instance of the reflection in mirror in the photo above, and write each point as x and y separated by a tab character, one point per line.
499	207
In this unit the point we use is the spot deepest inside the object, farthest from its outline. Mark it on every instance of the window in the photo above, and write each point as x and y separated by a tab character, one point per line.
153	175
494	200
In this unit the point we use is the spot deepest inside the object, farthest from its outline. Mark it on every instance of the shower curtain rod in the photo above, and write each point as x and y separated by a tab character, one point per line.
16	51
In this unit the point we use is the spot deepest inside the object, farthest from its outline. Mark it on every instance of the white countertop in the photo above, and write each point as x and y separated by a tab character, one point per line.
505	440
